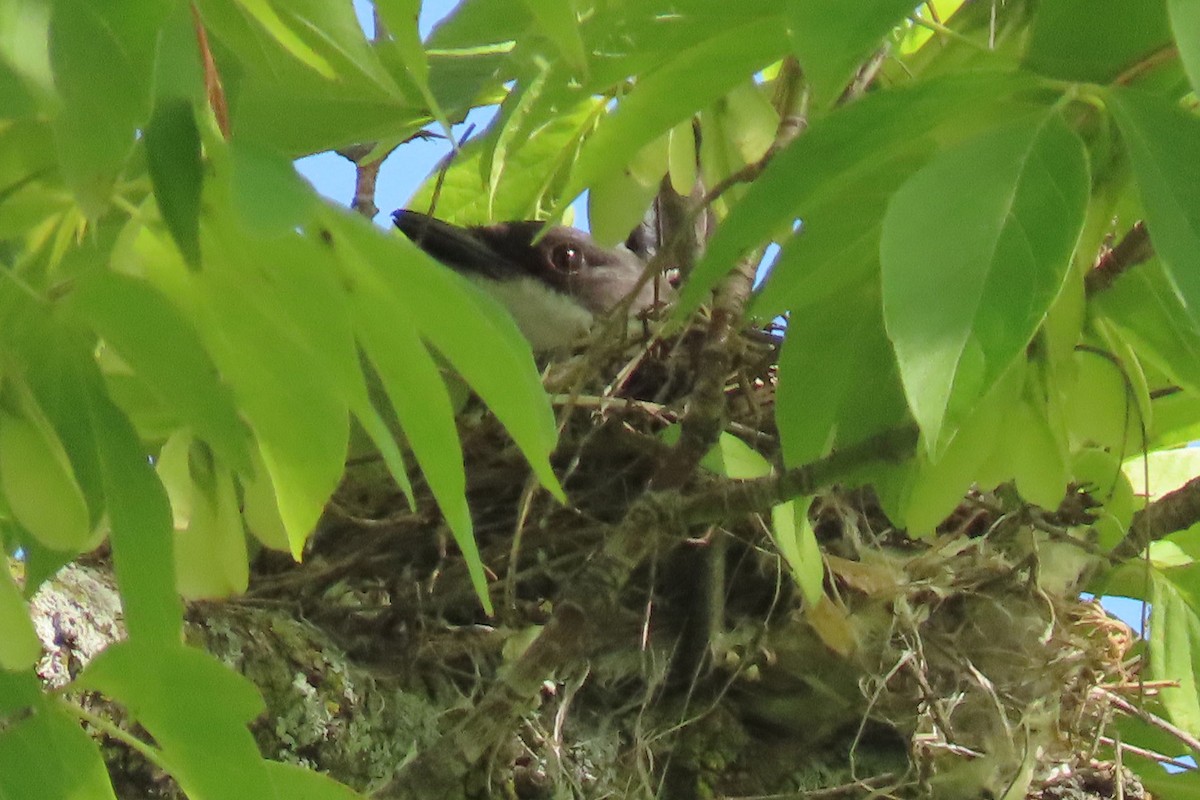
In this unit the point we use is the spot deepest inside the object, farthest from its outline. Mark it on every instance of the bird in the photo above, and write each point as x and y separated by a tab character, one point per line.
555	281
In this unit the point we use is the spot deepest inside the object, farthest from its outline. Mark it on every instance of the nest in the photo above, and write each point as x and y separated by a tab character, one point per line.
949	668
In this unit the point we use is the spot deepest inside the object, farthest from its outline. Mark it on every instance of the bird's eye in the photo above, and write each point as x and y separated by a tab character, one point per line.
567	258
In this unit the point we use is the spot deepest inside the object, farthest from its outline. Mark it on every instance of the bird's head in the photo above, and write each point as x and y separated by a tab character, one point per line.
555	281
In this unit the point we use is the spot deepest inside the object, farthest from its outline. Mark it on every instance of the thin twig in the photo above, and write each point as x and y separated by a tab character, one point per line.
1144	753
1149	718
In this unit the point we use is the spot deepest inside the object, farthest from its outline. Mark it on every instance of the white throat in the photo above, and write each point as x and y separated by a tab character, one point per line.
548	319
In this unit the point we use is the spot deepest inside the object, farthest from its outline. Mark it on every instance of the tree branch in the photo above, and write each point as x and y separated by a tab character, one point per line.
1173	512
704	414
1133	249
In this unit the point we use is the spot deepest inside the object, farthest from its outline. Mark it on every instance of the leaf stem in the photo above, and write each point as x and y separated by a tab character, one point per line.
114	731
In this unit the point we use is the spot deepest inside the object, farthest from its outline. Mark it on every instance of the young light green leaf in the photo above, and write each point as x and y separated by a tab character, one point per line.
616	204
681	158
19	644
831	38
1164	146
790	528
753	121
513	115
1185	23
959	309
797	542
1175	642
1167	470
735	459
25	50
47	755
36	474
666	97
533	168
154	338
173	156
559	23
210	540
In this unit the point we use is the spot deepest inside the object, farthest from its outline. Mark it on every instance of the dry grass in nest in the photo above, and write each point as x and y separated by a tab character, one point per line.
959	646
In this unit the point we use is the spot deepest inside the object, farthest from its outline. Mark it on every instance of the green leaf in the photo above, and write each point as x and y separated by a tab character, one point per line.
266	16
797	542
299	783
790	528
385	327
195	708
140	525
48	756
19	691
559	23
103	59
1147	309
1164	146
960	308
869	137
470	329
268	196
838	382
831	38
1185	24
1114	38
476	23
400	19
1175	642
173	156
837	245
285	105
692	79
278	328
735	459
162	346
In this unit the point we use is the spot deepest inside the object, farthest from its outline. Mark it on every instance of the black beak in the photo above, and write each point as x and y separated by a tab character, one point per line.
461	249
